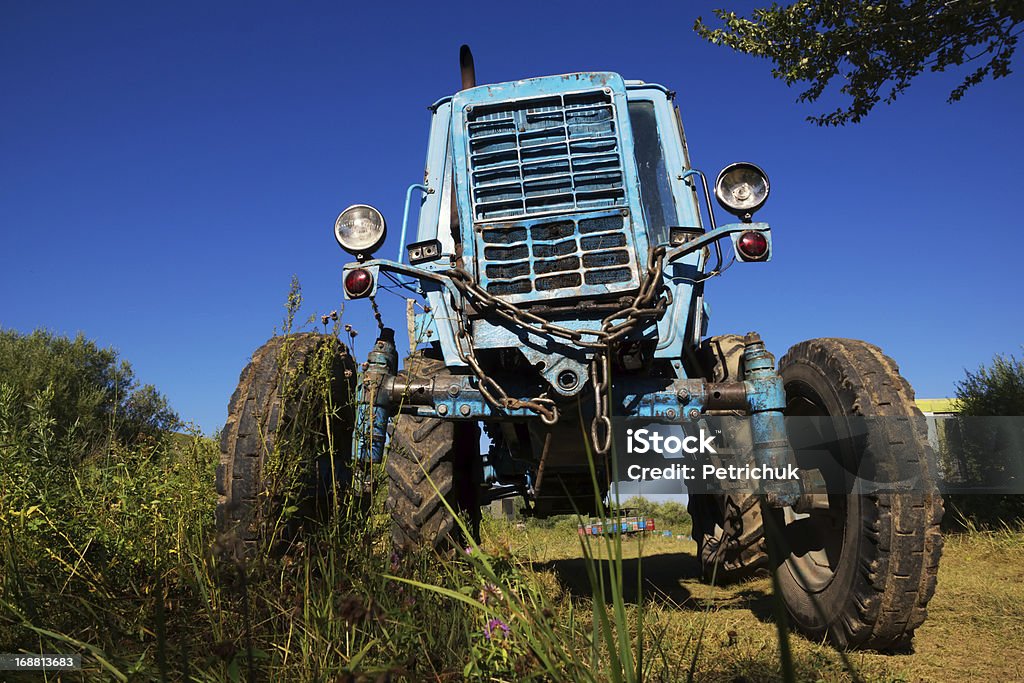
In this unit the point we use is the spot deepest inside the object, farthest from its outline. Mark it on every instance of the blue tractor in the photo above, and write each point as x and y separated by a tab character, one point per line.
558	270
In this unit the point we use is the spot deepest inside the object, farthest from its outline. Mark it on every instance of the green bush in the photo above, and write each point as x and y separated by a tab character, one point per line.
989	452
997	390
88	548
86	391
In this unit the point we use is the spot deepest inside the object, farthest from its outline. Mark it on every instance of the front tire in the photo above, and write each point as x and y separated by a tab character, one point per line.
431	464
286	447
730	539
861	570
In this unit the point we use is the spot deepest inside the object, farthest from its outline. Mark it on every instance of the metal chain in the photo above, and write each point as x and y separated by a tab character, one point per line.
646	305
649	303
601	426
491	390
485	301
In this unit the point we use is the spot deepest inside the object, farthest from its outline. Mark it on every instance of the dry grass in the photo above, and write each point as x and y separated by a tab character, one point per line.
975	628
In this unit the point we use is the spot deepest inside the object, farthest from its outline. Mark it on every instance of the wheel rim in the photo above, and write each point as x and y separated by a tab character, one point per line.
814	540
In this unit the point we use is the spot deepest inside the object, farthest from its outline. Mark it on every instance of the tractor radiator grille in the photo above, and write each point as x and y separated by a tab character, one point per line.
557	256
552	154
548	198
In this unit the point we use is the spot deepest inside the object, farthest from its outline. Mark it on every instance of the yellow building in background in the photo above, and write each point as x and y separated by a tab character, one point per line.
937	406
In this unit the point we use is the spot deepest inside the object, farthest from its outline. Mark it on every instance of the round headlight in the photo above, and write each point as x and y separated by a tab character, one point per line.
360	229
741	188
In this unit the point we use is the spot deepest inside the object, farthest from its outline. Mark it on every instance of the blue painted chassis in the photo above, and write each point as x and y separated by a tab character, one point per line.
684	322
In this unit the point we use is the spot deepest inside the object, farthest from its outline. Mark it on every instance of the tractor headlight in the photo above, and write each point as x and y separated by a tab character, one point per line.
741	189
360	229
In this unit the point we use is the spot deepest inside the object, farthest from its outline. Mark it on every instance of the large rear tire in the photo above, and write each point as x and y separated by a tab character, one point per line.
286	447
431	462
859	572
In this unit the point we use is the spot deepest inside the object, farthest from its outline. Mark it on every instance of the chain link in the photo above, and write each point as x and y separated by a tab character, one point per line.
650	303
601	426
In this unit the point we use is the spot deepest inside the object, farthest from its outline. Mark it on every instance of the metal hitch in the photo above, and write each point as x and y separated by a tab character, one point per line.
771	443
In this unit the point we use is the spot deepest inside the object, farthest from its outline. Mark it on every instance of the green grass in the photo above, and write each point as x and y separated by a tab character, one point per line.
977	611
119	561
116	558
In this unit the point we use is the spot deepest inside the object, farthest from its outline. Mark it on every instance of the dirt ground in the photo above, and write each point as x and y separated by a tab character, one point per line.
974	630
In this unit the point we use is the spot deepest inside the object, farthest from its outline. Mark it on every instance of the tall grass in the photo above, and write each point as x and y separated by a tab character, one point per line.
117	559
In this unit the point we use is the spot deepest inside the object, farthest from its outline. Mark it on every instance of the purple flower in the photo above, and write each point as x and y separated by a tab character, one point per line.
492	628
490	594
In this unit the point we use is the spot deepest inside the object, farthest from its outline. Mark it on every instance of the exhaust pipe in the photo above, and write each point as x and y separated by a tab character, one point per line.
467	67
468	70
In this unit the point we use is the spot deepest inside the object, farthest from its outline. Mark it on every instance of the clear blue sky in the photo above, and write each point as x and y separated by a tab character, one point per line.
166	168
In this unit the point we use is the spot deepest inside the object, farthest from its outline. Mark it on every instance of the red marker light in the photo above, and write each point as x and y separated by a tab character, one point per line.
358	282
752	246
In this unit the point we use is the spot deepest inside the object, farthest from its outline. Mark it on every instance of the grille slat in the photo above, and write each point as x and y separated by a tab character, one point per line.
546	284
554	250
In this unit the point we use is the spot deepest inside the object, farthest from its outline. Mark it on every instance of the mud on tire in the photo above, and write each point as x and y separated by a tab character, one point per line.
862	571
431	461
286	446
729	533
